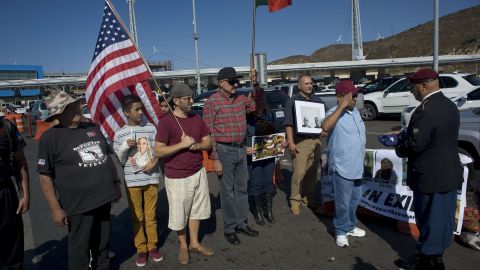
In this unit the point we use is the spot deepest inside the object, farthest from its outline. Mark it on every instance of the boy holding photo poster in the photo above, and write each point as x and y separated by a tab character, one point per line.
133	144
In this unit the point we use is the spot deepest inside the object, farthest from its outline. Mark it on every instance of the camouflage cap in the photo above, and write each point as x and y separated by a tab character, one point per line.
56	103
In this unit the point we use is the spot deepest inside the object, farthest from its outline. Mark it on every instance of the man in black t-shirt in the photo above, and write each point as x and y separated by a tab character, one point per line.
305	149
12	206
75	161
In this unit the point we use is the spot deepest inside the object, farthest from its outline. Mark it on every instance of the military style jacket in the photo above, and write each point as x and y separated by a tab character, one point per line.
431	146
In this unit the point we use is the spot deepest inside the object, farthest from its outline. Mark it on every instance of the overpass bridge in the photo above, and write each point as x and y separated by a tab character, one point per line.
353	65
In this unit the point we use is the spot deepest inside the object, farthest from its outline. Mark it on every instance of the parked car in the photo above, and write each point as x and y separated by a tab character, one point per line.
469	140
398	96
469	134
275	100
465	101
38	111
291	89
378	84
18	109
199	100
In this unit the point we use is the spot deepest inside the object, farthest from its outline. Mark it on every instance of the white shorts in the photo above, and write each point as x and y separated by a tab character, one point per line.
188	198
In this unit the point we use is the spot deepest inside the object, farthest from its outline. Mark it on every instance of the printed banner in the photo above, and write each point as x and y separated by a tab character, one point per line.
385	190
268	146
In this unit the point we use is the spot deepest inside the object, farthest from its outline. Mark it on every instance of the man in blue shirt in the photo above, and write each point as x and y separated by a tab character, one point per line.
346	151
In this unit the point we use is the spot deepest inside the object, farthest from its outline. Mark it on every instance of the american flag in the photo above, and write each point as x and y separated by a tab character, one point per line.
117	70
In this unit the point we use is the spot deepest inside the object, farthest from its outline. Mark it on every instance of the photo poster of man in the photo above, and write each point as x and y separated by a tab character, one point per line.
388	168
309	116
142	153
393	200
268	146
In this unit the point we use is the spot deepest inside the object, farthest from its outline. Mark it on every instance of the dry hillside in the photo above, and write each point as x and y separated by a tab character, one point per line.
458	35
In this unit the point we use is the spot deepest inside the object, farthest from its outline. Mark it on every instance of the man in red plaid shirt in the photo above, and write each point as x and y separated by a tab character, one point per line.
225	115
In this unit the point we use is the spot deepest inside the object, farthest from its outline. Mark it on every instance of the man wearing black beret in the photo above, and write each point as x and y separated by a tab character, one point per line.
434	170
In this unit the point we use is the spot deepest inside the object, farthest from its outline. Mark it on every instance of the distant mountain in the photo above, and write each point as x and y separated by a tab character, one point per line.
459	34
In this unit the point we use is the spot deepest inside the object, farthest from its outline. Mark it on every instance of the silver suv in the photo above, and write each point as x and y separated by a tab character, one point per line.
469	134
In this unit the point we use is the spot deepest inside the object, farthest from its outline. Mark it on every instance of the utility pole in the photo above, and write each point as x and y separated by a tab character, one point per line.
435	36
195	38
133	25
357	45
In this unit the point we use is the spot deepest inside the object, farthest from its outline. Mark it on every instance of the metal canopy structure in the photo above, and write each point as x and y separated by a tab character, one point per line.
373	63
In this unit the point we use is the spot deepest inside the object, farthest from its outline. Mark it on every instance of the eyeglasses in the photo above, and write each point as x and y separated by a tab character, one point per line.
186	98
232	81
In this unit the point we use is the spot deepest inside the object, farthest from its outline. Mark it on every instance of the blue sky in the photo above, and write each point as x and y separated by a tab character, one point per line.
61	34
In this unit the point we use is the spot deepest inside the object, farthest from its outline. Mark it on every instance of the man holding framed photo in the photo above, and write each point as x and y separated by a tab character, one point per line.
303	142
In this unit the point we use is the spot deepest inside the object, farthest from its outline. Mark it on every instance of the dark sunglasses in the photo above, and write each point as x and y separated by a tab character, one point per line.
353	95
232	81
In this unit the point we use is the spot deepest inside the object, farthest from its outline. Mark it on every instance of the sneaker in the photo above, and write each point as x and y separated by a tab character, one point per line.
357	232
295	208
141	259
341	240
156	255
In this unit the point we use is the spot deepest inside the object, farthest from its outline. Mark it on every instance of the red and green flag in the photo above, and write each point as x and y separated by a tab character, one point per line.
273	5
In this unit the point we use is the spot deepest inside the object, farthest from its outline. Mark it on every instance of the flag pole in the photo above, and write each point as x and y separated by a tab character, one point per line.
195	38
252	58
120	21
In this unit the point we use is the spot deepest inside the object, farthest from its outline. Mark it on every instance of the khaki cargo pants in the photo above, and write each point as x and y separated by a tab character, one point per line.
305	167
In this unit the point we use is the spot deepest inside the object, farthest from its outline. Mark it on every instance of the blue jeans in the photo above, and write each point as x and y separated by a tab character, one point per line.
347	194
261	176
233	186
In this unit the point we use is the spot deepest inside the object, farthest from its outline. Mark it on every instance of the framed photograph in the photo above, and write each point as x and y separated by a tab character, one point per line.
143	154
308	116
268	146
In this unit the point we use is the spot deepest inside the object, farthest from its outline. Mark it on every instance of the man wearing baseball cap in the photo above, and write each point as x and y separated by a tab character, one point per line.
346	152
434	171
225	114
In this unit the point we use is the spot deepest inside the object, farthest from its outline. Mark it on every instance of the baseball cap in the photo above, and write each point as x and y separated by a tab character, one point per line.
345	87
227	73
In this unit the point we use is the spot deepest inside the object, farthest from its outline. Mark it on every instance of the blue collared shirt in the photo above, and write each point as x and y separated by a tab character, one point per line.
346	145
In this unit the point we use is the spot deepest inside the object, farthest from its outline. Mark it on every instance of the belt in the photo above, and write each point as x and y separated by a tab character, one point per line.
233	144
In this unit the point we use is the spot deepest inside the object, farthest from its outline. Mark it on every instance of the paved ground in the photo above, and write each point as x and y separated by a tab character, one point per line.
294	242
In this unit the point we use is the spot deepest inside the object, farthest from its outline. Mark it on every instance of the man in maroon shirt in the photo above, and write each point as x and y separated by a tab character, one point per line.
181	138
225	114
